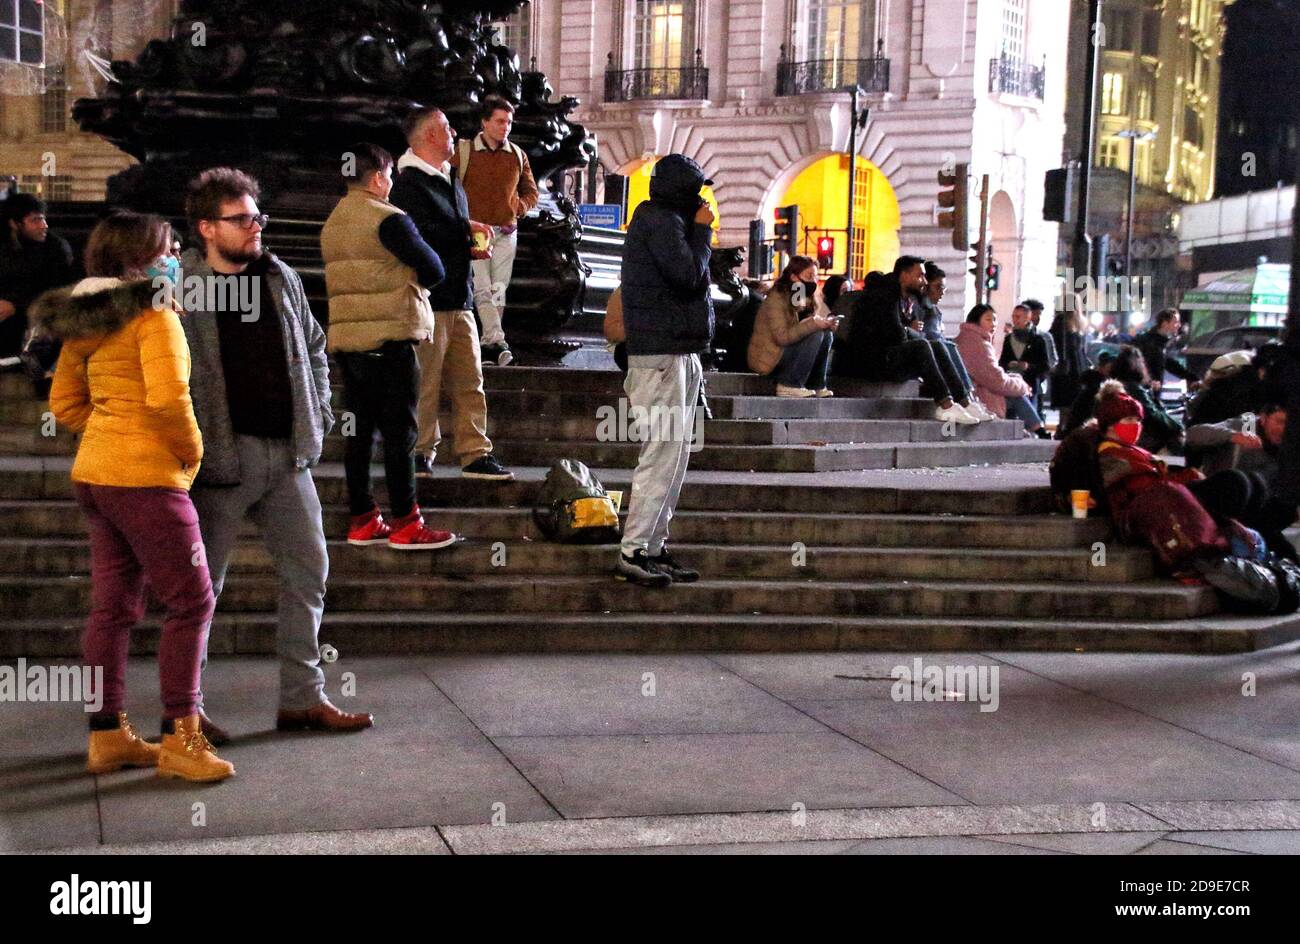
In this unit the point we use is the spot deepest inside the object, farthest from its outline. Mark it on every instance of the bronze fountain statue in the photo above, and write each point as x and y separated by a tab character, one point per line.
281	89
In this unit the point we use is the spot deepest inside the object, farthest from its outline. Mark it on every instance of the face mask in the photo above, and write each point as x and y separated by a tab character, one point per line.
1127	433
809	289
167	267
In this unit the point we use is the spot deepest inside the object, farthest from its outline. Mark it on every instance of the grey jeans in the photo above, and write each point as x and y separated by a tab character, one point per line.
668	386
283	503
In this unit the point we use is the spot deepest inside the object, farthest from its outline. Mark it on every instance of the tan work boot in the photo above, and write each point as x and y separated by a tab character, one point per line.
187	754
119	747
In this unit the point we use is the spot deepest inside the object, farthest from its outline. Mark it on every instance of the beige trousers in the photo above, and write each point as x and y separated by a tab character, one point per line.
451	361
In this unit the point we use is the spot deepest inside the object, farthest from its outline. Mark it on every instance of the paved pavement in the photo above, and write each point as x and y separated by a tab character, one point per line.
803	753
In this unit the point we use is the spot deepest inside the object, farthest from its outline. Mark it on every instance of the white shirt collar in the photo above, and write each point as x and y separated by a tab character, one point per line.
411	159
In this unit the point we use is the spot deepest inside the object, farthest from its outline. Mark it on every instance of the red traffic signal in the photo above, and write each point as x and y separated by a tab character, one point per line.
992	276
825	252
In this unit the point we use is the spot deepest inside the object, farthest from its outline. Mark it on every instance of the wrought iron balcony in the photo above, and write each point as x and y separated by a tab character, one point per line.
625	85
832	75
1016	78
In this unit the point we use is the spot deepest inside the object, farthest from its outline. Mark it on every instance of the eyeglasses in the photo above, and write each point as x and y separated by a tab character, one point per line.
246	220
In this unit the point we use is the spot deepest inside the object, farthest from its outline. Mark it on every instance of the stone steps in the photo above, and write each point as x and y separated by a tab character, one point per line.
32	418
30	518
35	597
357	634
732	458
839	538
28	411
501	556
47	477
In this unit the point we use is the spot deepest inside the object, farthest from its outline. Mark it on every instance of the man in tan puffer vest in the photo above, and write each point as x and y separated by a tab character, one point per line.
378	272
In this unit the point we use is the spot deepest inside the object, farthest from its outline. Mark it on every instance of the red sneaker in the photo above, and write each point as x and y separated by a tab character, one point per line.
370	528
410	534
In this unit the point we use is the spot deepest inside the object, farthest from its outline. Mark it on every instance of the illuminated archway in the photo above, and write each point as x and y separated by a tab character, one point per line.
638	176
821	191
1005	239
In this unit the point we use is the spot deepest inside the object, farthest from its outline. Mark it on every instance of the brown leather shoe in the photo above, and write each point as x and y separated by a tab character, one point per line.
323	717
216	736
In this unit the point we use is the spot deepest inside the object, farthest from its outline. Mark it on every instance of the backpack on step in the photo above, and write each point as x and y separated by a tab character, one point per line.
574	508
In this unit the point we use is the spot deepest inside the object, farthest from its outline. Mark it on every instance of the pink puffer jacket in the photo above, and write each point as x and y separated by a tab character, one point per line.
992	384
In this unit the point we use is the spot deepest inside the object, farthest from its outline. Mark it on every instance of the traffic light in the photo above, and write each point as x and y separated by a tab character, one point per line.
954	196
787	230
760	251
825	253
976	261
992	276
1059	196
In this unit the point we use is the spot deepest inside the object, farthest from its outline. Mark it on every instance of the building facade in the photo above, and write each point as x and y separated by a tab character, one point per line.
52	53
1158	81
752	89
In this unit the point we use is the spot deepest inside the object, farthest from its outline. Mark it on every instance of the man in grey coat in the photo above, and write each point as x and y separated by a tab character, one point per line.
261	392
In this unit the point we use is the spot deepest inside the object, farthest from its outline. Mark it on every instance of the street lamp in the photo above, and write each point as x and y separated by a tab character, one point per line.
1133	137
855	121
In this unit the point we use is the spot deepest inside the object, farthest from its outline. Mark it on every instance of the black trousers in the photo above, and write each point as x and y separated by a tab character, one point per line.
380	390
1246	497
931	361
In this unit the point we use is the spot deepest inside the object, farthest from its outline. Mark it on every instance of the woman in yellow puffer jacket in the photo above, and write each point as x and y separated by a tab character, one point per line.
122	381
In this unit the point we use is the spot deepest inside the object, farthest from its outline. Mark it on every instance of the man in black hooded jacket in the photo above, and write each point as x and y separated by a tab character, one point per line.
882	346
668	317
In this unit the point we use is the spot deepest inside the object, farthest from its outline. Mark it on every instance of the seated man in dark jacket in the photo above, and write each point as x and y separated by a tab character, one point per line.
1028	352
1247	447
668	319
1084	404
32	260
883	346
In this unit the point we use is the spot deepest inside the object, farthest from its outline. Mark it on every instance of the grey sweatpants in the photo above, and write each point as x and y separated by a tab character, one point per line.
283	503
667	388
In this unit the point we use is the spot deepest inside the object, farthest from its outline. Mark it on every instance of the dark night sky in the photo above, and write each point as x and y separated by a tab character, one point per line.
1259	105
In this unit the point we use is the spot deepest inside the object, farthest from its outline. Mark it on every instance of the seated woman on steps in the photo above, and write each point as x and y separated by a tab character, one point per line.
790	341
1002	393
122	381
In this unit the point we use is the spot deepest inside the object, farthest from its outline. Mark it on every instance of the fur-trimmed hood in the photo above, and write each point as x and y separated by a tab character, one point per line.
68	313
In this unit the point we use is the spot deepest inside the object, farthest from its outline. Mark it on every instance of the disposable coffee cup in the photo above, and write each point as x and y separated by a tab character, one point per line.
1079	502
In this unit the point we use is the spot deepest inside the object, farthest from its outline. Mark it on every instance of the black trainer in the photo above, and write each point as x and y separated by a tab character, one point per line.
497	355
676	571
423	467
640	570
487	467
